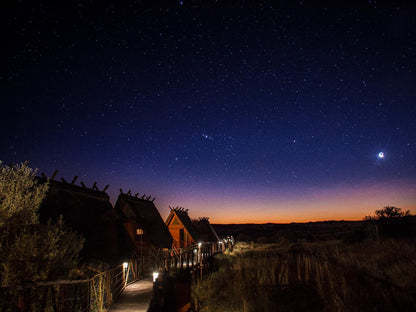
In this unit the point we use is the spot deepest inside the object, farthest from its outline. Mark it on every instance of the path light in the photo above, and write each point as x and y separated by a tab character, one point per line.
125	272
155	276
199	245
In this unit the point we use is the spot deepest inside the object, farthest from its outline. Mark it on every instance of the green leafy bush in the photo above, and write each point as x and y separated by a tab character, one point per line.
31	251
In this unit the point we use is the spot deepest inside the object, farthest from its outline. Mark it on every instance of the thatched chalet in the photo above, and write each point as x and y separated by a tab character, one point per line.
89	212
181	228
143	223
205	230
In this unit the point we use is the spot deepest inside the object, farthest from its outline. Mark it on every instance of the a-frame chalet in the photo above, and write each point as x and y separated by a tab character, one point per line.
143	223
181	228
88	211
205	230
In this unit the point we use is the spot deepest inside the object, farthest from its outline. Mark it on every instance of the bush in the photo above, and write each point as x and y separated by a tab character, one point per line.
31	251
392	222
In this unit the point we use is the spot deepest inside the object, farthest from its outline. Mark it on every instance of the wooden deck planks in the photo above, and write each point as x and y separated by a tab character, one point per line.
135	297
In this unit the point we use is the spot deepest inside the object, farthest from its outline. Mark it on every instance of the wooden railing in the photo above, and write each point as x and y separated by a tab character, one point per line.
93	294
193	257
100	291
178	270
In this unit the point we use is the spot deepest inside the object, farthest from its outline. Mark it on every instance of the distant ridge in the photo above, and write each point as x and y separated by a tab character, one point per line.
293	232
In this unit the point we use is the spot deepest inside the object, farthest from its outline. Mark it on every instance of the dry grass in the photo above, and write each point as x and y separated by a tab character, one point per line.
330	276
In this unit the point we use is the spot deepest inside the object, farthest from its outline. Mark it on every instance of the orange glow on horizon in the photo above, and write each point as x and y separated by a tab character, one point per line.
337	203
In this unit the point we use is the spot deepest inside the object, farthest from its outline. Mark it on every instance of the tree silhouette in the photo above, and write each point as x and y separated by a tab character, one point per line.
390	212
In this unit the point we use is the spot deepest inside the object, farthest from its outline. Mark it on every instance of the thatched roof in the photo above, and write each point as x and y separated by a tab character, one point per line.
144	213
90	213
205	231
183	217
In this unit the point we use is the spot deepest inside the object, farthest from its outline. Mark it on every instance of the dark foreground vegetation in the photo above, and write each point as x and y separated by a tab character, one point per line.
326	276
370	267
30	251
292	232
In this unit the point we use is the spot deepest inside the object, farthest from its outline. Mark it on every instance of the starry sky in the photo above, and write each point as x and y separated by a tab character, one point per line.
242	111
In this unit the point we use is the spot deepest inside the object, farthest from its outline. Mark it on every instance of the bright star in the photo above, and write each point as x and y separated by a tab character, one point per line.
380	155
207	137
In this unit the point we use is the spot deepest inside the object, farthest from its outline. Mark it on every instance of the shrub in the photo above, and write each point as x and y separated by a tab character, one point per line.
31	251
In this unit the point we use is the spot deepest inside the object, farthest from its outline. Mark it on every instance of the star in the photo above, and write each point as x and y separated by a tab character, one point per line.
207	137
224	111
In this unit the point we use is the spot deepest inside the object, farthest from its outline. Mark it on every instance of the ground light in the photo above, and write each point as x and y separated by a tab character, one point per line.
155	276
125	272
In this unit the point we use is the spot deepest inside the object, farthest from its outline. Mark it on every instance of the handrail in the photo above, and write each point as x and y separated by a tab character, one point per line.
62	282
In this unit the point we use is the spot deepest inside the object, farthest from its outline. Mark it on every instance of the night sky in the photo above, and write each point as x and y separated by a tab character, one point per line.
242	111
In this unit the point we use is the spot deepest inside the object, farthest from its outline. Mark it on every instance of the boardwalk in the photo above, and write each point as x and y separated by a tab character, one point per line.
192	260
135	297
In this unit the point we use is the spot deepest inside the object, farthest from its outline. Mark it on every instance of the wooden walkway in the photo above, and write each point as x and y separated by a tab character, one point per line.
135	297
193	260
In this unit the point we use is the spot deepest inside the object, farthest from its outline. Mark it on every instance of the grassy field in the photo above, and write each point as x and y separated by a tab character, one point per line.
312	276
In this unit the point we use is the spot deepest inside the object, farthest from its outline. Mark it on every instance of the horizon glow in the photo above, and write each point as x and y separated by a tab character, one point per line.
338	203
240	113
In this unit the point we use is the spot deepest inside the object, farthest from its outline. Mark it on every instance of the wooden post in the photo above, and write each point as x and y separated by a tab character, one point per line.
193	258
74	179
23	300
54	174
201	264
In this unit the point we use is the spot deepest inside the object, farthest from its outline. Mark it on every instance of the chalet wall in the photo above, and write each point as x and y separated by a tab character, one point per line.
175	231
